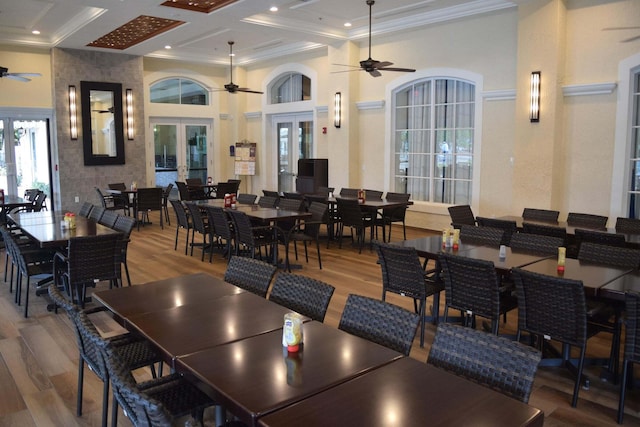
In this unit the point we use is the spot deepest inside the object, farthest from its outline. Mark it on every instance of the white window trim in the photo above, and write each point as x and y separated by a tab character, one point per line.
619	203
199	83
478	81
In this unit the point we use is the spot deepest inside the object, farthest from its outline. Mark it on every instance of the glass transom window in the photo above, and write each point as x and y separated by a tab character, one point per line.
179	91
290	87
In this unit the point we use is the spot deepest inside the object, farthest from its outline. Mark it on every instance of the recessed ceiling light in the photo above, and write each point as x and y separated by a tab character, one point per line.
167	47
36	32
273	9
347	24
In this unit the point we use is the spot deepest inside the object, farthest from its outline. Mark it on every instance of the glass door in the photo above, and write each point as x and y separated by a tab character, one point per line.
294	136
180	147
25	156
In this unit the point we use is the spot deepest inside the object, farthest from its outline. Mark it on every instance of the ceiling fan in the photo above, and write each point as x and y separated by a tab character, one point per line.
372	66
624	28
231	87
21	77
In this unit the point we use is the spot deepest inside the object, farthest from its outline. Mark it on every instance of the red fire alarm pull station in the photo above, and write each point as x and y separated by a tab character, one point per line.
324	130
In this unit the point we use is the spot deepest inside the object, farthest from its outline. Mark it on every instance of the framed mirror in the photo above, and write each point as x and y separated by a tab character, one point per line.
102	124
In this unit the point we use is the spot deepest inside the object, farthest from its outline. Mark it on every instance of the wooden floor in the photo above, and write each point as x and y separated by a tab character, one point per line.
38	355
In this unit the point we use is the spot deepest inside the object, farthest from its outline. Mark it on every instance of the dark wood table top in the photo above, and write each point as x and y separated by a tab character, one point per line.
11	202
258	212
256	376
189	328
42	217
616	289
431	246
512	259
169	293
51	234
593	276
406	393
372	203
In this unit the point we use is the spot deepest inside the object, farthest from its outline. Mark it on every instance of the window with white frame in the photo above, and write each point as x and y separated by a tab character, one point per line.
179	91
433	140
634	190
290	87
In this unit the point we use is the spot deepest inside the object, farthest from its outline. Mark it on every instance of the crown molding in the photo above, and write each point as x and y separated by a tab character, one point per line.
589	89
370	105
499	95
253	114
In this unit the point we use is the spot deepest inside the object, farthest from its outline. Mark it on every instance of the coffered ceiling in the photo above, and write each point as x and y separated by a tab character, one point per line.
199	35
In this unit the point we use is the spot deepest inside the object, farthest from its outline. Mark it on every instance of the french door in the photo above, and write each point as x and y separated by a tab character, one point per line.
294	136
181	149
25	156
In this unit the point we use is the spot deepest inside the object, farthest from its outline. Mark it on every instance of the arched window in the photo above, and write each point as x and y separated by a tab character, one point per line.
433	140
634	157
179	91
290	87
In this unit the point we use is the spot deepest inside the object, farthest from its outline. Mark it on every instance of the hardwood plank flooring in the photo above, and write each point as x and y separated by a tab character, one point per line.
38	356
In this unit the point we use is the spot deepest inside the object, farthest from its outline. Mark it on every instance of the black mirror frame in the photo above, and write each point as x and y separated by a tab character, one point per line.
91	159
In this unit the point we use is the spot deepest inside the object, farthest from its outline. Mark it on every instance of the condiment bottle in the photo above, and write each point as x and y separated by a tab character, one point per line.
562	253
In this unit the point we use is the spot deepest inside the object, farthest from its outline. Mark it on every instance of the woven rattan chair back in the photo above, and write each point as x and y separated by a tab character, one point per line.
380	322
631	344
200	222
495	362
304	295
290	195
349	192
193	181
481	235
93	258
268	202
553	307
96	213
182	222
183	190
243	229
587	220
246	199
350	213
271	193
223	188
509	227
540	215
461	215
291	204
397	214
220	225
545	230
535	244
324	191
109	218
628	225
472	287
373	194
250	274
150	199
236	185
600	237
85	209
609	255
125	225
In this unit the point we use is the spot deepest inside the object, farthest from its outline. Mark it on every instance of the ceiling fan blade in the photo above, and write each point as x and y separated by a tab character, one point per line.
347	65
348	71
247	90
26	74
404	70
375	73
18	78
631	39
382	64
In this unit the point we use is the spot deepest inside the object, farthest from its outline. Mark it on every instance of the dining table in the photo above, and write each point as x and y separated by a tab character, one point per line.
407	393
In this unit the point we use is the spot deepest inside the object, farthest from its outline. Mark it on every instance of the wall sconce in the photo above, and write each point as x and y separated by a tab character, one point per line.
337	109
73	113
129	108
534	106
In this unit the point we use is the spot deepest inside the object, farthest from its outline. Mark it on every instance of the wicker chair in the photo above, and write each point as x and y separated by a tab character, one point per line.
96	213
223	188
200	223
609	255
391	215
166	193
290	195
587	220
509	227
113	202
481	235
380	322
246	199
543	215
88	260
183	190
268	202
85	209
402	274
304	295
125	224
308	231
553	307
221	229
600	237
149	199
373	194
535	244
108	219
134	352
349	192
472	286
461	215
495	362
628	225
631	345
195	189
178	397
352	216
183	222
251	237
545	230
271	193
250	274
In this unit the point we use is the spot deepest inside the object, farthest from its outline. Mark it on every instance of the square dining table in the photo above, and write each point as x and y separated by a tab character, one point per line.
256	376
406	393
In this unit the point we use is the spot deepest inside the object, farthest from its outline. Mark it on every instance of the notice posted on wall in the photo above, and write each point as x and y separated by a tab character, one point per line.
245	157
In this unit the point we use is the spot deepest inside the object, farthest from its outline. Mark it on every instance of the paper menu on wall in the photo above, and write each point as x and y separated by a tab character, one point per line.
245	158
